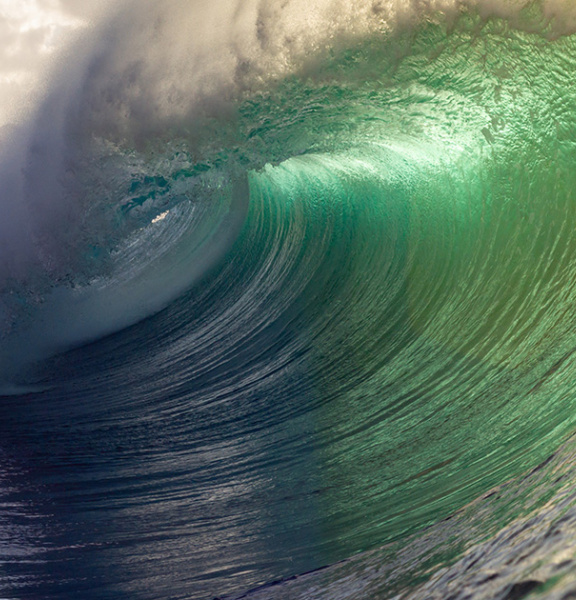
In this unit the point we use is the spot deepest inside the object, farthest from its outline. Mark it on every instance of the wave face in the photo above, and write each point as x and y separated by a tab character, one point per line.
286	284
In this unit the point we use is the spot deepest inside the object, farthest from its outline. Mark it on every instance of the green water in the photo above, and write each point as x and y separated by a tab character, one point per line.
353	295
418	203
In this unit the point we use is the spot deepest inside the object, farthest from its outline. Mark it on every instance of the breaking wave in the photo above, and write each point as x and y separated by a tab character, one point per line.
282	284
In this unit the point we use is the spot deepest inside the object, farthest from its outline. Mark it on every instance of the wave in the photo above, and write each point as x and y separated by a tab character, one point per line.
282	283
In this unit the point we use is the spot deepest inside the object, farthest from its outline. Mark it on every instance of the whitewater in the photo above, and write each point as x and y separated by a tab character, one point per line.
287	299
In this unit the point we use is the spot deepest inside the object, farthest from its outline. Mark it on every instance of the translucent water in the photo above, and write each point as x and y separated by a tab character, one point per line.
317	314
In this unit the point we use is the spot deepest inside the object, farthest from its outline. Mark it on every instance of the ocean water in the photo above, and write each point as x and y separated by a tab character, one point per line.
287	304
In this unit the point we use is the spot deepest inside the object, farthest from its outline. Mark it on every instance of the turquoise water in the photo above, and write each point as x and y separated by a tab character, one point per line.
307	323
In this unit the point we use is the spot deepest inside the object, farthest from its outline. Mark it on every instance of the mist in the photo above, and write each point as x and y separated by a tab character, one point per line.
79	79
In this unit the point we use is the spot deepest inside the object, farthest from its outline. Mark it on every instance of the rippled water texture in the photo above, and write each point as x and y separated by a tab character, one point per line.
330	313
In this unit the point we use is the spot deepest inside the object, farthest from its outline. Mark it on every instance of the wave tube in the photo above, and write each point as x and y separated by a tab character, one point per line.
286	286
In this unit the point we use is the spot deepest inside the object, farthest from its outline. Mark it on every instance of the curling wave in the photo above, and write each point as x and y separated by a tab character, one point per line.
325	266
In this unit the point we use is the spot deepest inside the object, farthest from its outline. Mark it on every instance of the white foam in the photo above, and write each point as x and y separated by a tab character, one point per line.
144	70
141	71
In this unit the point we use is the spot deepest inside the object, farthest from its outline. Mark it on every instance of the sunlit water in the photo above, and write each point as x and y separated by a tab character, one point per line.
332	316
